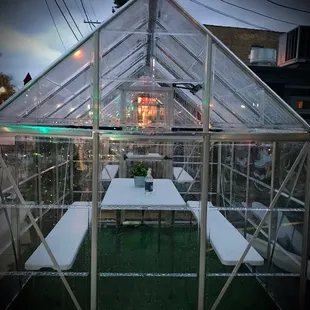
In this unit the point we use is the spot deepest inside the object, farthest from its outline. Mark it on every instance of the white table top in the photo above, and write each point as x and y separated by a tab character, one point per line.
122	193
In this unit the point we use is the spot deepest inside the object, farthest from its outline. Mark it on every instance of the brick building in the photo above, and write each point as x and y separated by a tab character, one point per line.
240	40
291	83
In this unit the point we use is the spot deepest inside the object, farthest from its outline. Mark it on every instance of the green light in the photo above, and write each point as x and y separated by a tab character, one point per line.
44	130
132	108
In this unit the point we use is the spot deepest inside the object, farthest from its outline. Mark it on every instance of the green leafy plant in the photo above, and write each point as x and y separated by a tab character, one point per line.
139	170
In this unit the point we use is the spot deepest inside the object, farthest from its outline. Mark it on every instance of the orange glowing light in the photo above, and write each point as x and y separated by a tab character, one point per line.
146	100
78	54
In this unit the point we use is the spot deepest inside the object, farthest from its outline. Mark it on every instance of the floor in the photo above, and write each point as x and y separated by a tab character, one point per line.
125	256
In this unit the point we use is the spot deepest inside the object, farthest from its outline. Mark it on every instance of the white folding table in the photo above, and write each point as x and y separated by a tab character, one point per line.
123	195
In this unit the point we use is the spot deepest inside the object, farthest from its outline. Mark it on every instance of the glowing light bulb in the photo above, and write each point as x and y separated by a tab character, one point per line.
78	54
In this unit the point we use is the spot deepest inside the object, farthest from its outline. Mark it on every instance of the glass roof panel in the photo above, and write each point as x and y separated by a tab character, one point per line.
125	52
183	118
180	57
172	21
54	88
152	43
129	17
240	93
227	116
73	103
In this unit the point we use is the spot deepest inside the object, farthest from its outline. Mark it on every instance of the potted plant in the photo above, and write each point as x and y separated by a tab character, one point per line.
139	171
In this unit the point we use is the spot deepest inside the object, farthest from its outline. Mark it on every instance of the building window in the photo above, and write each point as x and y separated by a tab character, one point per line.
303	104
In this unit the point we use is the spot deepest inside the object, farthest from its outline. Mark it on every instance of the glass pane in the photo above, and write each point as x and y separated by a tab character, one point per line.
242	96
48	175
156	244
57	88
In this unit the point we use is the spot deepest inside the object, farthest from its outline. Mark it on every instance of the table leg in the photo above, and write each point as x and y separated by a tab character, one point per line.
142	219
118	218
159	228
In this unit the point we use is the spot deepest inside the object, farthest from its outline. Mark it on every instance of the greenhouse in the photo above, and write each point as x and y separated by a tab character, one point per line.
224	224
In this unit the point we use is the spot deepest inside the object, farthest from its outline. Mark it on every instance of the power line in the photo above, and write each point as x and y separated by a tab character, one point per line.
228	15
261	14
78	6
288	7
87	18
62	42
77	27
76	2
62	13
92	8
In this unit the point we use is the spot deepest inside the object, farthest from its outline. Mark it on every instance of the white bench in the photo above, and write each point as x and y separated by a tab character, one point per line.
181	175
64	240
286	231
225	239
109	172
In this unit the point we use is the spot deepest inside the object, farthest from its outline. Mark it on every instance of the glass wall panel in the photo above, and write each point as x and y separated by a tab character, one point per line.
46	197
148	240
251	176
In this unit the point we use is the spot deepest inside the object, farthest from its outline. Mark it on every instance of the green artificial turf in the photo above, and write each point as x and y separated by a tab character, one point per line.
144	250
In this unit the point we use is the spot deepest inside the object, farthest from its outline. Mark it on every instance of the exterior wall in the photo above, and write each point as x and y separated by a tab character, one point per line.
240	40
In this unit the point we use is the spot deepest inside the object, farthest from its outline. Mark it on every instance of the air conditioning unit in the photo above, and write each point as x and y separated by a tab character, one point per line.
261	56
294	47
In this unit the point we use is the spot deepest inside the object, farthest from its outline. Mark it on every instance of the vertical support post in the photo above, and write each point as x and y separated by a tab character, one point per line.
95	172
273	218
305	239
168	150
123	117
17	210
247	188
170	107
57	175
231	172
205	174
219	167
121	214
169	145
122	110
71	169
39	163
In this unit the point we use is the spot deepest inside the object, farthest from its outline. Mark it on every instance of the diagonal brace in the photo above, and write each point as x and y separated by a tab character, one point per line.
260	226
36	227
